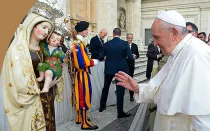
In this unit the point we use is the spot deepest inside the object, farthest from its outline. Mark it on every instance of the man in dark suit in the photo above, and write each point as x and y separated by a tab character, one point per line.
116	52
96	44
131	64
153	54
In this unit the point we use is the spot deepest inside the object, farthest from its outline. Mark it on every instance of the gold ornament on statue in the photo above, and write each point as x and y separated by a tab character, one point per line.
66	20
61	28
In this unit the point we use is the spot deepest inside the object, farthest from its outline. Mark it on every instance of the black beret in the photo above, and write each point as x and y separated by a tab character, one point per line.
81	26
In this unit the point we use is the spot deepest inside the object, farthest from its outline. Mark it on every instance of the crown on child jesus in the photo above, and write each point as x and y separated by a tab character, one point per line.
47	9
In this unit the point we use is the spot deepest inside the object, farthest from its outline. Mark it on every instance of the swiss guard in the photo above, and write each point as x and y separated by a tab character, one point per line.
82	64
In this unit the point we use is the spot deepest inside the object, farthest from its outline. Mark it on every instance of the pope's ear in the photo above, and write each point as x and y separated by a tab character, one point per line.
175	32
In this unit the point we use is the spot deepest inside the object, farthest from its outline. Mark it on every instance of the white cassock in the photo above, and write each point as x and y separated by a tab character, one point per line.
181	88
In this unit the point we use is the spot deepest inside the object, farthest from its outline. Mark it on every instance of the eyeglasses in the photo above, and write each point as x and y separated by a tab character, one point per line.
190	31
200	37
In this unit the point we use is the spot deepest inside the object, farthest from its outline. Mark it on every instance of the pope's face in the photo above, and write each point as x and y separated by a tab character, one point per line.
54	40
162	37
41	31
84	33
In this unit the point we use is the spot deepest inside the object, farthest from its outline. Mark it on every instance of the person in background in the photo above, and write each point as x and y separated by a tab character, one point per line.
153	54
202	36
208	40
192	28
131	64
83	87
97	44
116	52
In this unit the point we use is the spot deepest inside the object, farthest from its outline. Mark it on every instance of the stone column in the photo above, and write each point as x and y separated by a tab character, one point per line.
137	18
129	14
62	4
106	15
68	7
134	19
204	20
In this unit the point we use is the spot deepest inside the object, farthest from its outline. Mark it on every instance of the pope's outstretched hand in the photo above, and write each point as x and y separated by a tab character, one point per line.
126	81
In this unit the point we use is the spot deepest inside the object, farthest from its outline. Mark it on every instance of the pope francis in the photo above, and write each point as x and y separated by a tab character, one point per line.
181	88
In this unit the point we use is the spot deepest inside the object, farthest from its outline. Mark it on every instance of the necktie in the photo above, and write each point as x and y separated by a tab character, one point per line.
102	43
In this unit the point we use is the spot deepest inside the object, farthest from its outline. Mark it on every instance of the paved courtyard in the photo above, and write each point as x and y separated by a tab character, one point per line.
107	120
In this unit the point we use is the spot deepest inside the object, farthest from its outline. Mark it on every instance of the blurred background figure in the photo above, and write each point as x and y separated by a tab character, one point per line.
116	52
131	64
192	28
202	36
97	44
154	54
208	40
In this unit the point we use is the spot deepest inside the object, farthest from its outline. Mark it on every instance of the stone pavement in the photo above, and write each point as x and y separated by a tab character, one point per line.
107	120
122	124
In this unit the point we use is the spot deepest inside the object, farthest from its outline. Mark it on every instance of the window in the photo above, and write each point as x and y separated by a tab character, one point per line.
148	36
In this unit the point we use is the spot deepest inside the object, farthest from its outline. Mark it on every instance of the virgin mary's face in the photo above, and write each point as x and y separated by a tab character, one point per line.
41	31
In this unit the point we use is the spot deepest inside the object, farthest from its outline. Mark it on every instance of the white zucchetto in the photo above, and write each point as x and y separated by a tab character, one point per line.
172	17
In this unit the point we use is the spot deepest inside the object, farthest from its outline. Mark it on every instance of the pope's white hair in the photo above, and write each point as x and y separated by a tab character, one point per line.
182	30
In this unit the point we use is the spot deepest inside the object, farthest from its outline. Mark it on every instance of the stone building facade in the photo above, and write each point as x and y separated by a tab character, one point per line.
196	11
134	16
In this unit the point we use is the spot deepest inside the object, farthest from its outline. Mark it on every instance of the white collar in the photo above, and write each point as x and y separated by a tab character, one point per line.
81	38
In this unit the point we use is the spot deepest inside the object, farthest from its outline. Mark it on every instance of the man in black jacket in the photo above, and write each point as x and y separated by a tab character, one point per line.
116	52
97	43
131	64
153	54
